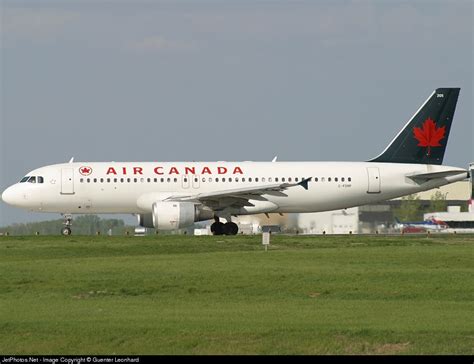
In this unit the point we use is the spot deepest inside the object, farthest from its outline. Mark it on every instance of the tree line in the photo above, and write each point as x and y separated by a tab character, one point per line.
82	225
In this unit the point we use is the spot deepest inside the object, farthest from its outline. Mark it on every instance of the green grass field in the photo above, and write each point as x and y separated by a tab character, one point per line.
226	295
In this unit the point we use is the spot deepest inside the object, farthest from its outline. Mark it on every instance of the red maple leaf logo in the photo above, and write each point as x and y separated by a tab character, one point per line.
85	171
429	135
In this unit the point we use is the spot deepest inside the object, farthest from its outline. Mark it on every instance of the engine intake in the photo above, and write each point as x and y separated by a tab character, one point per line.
169	215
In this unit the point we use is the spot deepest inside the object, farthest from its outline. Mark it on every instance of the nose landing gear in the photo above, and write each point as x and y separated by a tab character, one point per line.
66	230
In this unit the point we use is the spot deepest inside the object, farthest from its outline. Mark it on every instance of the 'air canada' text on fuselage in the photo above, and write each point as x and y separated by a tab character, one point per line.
173	170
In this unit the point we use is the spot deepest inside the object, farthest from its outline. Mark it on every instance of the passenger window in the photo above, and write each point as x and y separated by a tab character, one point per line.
323	179
315	179
148	180
250	179
81	180
95	180
342	179
296	179
289	179
269	179
204	179
335	179
101	180
115	180
243	179
108	180
155	180
217	179
168	180
128	180
230	179
283	179
256	179
349	179
176	180
210	179
122	180
185	179
195	179
135	180
263	179
162	180
329	179
276	179
142	180
236	179
88	180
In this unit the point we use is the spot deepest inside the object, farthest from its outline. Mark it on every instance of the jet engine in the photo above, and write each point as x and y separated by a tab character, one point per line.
168	215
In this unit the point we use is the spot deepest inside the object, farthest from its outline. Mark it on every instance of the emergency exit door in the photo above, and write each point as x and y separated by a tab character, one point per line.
373	175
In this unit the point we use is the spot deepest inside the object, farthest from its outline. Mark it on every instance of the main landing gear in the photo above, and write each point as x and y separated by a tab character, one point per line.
219	228
66	230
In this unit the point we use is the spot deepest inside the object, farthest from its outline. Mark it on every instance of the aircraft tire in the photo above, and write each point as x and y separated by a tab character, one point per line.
66	231
231	228
217	228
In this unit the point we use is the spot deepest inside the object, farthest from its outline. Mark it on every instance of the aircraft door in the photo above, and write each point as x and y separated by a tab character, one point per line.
196	182
185	181
67	181
373	174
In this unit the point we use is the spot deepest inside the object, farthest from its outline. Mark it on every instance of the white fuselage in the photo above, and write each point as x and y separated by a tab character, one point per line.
133	187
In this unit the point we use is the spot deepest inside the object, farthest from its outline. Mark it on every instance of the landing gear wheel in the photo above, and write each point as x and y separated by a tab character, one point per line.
217	228
231	228
66	231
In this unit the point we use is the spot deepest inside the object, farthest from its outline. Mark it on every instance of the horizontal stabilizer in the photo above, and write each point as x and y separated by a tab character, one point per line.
434	175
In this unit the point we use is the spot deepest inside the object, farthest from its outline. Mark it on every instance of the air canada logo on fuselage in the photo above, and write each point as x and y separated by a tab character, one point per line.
85	171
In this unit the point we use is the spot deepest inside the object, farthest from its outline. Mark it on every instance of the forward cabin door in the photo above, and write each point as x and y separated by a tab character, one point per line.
67	181
373	174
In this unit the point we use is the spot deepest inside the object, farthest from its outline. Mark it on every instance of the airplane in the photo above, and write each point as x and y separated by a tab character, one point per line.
421	226
174	195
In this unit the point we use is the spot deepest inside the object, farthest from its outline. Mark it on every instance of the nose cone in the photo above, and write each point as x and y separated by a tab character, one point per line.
10	196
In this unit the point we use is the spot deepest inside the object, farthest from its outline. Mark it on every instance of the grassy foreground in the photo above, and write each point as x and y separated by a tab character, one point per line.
225	295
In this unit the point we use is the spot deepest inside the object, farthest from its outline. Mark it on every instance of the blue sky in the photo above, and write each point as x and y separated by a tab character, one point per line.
223	80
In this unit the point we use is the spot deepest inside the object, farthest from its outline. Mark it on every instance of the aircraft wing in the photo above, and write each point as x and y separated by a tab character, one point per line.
239	197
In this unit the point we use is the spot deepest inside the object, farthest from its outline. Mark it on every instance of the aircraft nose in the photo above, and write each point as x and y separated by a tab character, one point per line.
9	196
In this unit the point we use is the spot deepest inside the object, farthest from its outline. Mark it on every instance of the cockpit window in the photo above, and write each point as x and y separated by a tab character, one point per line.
24	179
40	179
32	179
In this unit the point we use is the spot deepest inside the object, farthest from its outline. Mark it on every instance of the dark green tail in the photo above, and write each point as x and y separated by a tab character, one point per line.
424	138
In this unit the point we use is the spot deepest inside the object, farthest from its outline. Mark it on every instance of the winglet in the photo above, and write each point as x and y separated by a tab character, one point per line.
304	183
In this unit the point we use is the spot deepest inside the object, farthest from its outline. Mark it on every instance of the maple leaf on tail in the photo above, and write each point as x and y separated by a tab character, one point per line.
429	135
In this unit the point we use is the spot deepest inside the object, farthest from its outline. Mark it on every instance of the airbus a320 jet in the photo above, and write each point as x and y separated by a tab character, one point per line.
174	195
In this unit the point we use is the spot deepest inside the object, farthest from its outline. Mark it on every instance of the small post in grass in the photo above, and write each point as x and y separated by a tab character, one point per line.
266	240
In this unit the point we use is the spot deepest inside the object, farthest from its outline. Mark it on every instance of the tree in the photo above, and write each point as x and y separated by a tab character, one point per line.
410	208
437	202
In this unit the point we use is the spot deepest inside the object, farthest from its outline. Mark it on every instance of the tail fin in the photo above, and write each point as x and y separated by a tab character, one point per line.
424	138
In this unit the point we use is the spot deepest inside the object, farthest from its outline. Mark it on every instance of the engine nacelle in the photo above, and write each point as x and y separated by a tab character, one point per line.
169	215
145	220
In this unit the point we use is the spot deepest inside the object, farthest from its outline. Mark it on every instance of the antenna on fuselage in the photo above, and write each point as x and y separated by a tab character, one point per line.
71	160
